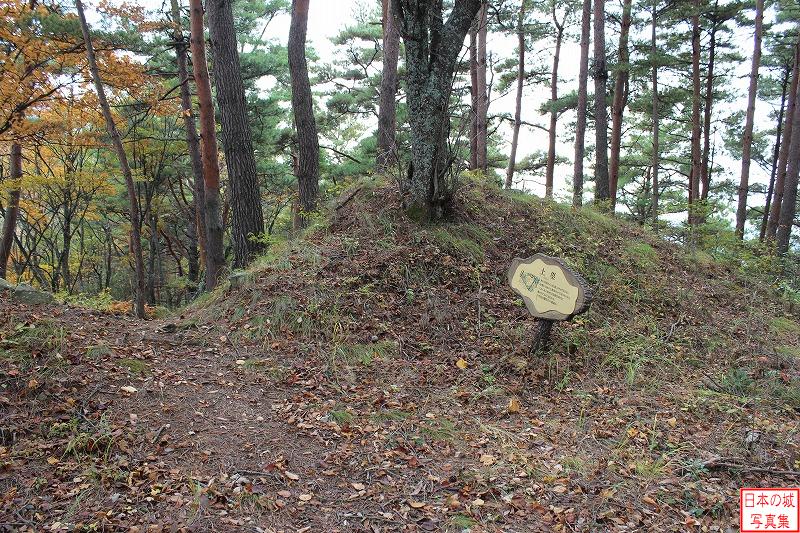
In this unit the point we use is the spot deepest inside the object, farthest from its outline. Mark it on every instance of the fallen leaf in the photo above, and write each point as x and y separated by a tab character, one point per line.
461	363
672	422
650	501
284	493
358	486
487	459
52	460
305	497
291	475
416	505
128	389
513	405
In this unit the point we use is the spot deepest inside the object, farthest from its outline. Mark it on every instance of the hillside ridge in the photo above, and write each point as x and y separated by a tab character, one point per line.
374	375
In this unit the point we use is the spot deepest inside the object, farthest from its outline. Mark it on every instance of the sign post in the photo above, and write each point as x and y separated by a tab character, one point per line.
551	291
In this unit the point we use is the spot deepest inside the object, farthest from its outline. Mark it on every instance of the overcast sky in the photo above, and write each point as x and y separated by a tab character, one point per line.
328	17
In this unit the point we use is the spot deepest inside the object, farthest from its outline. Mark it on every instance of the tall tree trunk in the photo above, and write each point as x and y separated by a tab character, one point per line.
245	197
215	255
151	258
386	156
192	140
656	157
433	46
66	236
473	92
12	209
783	158
747	143
580	124
775	153
619	102
135	218
512	159
708	105
695	173
789	203
551	145
600	74
482	92
303	108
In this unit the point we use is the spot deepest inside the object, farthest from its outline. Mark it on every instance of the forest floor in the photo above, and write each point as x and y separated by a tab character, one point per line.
374	376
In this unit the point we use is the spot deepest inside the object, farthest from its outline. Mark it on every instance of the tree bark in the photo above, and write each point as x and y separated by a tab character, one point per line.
303	108
386	156
600	75
12	209
695	173
432	50
512	159
619	102
192	141
135	218
473	92
789	203
708	105
783	158
580	124
656	156
747	143
482	92
215	255
245	198
551	145
775	153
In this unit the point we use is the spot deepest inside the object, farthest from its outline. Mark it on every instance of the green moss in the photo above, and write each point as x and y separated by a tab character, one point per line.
465	241
784	325
642	255
134	366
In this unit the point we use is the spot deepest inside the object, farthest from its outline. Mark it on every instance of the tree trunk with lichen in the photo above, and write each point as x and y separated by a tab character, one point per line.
600	75
432	47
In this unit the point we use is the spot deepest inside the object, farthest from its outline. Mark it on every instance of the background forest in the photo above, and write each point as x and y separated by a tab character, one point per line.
151	163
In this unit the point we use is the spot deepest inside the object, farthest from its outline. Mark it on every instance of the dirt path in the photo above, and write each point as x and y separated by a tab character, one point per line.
117	424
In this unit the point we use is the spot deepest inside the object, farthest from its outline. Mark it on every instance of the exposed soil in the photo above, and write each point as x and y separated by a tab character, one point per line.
374	376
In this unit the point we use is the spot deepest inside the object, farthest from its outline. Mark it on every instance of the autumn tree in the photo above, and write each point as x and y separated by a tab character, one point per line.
135	217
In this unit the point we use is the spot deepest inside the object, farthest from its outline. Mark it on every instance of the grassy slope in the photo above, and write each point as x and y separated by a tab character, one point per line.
340	353
679	361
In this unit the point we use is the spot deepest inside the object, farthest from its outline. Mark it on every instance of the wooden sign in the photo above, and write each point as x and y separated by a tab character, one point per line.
550	289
